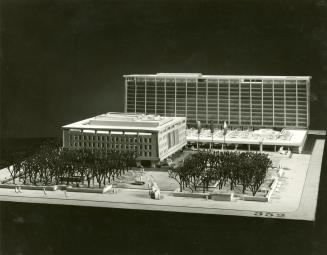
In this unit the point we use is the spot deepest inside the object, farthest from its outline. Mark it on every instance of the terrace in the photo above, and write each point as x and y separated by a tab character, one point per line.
285	137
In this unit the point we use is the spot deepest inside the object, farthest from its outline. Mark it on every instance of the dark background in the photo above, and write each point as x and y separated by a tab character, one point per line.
62	61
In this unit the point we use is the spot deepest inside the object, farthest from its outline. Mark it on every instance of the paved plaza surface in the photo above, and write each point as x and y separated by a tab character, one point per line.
296	198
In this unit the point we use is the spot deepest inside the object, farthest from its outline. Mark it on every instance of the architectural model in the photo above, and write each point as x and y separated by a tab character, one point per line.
186	142
153	138
240	100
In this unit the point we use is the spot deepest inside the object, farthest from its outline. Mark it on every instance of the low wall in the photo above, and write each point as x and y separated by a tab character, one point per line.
272	188
58	187
177	193
254	198
222	196
89	190
267	197
29	187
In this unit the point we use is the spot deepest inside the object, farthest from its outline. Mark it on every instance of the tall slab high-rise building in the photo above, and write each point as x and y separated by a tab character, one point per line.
240	100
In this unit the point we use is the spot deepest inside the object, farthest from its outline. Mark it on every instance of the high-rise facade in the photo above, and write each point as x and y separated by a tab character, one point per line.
241	101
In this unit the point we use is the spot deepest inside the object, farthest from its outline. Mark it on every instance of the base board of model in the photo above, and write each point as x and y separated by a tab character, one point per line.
305	209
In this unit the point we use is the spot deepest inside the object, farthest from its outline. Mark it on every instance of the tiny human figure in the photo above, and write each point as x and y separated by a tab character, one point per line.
157	194
155	191
20	190
16	189
44	191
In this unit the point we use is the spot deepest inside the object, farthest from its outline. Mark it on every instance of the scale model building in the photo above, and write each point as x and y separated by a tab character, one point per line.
152	137
276	108
164	112
260	111
240	100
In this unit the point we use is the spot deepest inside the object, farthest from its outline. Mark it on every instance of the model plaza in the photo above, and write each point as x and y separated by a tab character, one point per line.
261	111
189	118
152	138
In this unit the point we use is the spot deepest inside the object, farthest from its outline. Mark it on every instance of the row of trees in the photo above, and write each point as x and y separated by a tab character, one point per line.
55	165
247	169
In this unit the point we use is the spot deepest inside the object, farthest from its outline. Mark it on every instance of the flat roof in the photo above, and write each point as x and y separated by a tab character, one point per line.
201	76
124	121
297	138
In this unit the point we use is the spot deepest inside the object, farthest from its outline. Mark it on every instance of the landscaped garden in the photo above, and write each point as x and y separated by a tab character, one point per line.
240	173
53	165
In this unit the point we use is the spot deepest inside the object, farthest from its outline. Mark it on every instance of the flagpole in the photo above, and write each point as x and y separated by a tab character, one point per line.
225	132
199	131
211	130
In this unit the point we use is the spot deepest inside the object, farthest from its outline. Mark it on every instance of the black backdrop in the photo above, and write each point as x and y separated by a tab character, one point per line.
62	61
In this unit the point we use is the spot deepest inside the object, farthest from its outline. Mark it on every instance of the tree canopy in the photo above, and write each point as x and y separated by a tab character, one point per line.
199	170
55	165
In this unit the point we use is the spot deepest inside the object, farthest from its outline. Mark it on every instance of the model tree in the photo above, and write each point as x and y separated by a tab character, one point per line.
99	168
204	167
260	165
14	165
245	170
209	171
180	175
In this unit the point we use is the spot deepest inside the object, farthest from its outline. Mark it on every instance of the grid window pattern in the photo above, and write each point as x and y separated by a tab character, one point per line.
213	101
240	102
268	108
161	97
141	144
170	97
234	103
140	95
202	101
181	99
191	97
131	96
223	106
150	96
172	137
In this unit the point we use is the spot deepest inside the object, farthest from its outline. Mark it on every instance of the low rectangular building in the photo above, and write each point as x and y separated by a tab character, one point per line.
151	137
